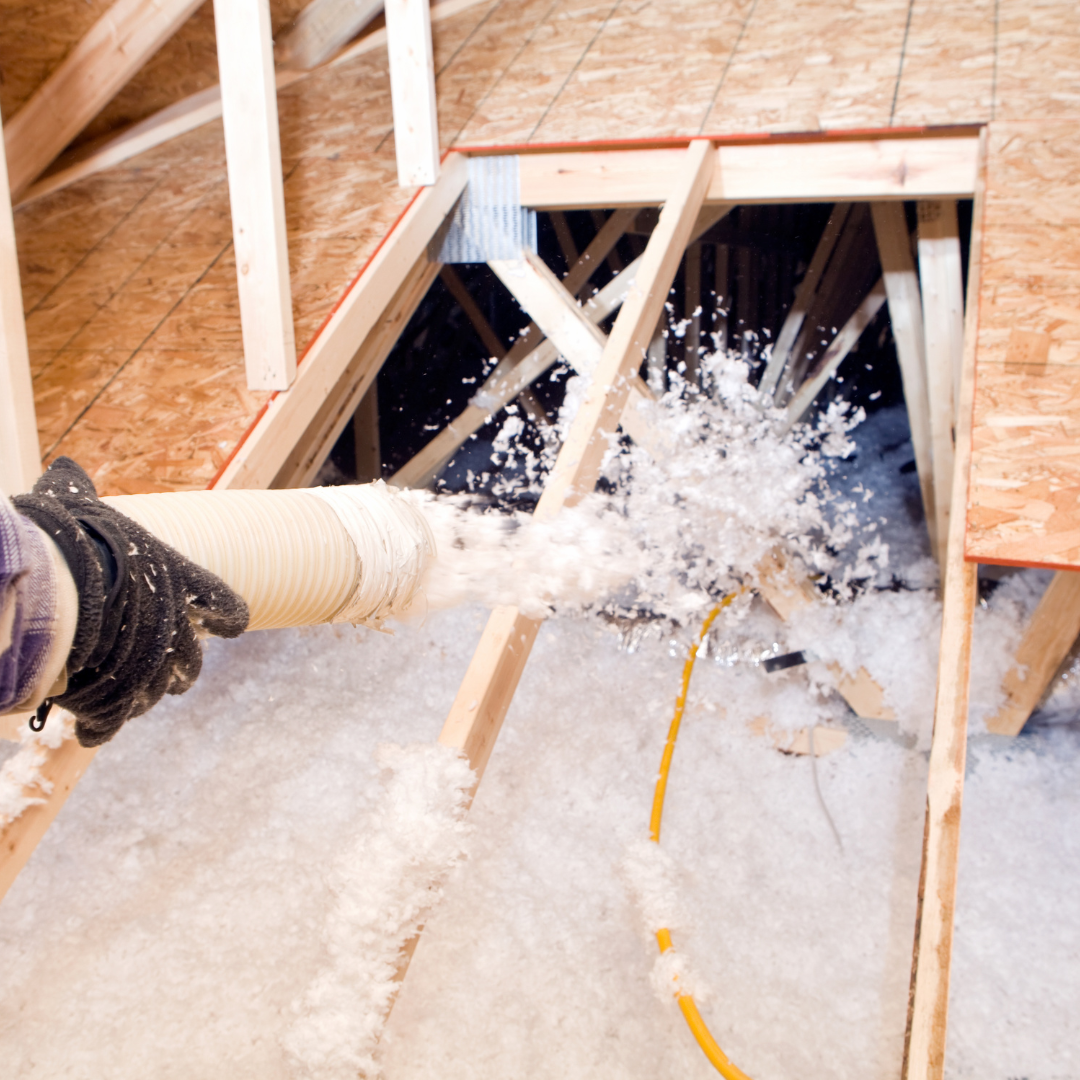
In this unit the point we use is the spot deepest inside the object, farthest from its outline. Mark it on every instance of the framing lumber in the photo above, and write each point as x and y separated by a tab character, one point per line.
485	694
191	113
804	298
412	91
322	28
905	312
553	308
1050	635
941	280
758	172
62	768
366	444
356	384
488	338
256	191
723	300
530	357
566	238
835	354
924	1042
839	280
692	311
265	450
20	455
87	79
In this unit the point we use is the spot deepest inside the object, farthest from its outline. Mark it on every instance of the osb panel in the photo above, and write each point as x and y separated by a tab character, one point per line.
811	67
1038	72
948	72
35	35
468	76
166	422
1024	498
552	48
653	70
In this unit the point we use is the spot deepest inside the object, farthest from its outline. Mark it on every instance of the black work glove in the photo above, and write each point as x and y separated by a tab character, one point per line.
141	605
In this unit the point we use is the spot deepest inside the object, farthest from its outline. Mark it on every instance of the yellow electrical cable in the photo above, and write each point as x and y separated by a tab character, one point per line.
697	1025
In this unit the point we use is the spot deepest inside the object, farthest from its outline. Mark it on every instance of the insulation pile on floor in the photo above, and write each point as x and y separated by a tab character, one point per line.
218	896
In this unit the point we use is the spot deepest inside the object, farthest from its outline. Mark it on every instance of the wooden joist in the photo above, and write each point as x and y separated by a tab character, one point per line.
356	385
905	313
942	286
256	191
488	338
924	1043
758	172
1052	632
62	769
484	697
20	455
835	354
191	113
260	457
553	308
87	79
804	298
412	91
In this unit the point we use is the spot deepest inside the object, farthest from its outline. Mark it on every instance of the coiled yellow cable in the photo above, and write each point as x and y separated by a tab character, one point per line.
697	1025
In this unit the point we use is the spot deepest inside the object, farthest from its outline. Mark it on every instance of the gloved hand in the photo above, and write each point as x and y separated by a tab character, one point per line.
142	605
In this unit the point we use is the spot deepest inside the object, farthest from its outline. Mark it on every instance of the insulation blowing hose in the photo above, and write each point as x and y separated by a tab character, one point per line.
710	1047
355	553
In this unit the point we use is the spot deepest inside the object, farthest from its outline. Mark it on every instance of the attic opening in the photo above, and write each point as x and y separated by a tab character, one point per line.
794	289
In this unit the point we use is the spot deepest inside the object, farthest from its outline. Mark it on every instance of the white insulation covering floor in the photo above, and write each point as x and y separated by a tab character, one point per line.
172	921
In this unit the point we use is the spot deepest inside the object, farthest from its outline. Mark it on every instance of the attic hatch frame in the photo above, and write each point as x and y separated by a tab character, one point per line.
295	429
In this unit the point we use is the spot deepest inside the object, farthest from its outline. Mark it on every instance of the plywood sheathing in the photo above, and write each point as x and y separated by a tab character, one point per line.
130	286
1024	496
948	63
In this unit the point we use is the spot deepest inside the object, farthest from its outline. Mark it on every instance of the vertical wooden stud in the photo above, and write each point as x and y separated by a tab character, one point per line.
412	91
366	437
905	312
692	310
256	191
943	325
723	299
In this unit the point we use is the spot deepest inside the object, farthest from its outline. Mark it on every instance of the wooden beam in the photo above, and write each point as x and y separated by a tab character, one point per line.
840	278
412	91
256	191
484	697
191	113
62	768
723	298
692	311
566	238
804	298
835	354
760	172
488	338
20	454
905	313
942	286
357	381
320	29
553	308
924	1043
1051	633
262	454
366	443
86	80
522	366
